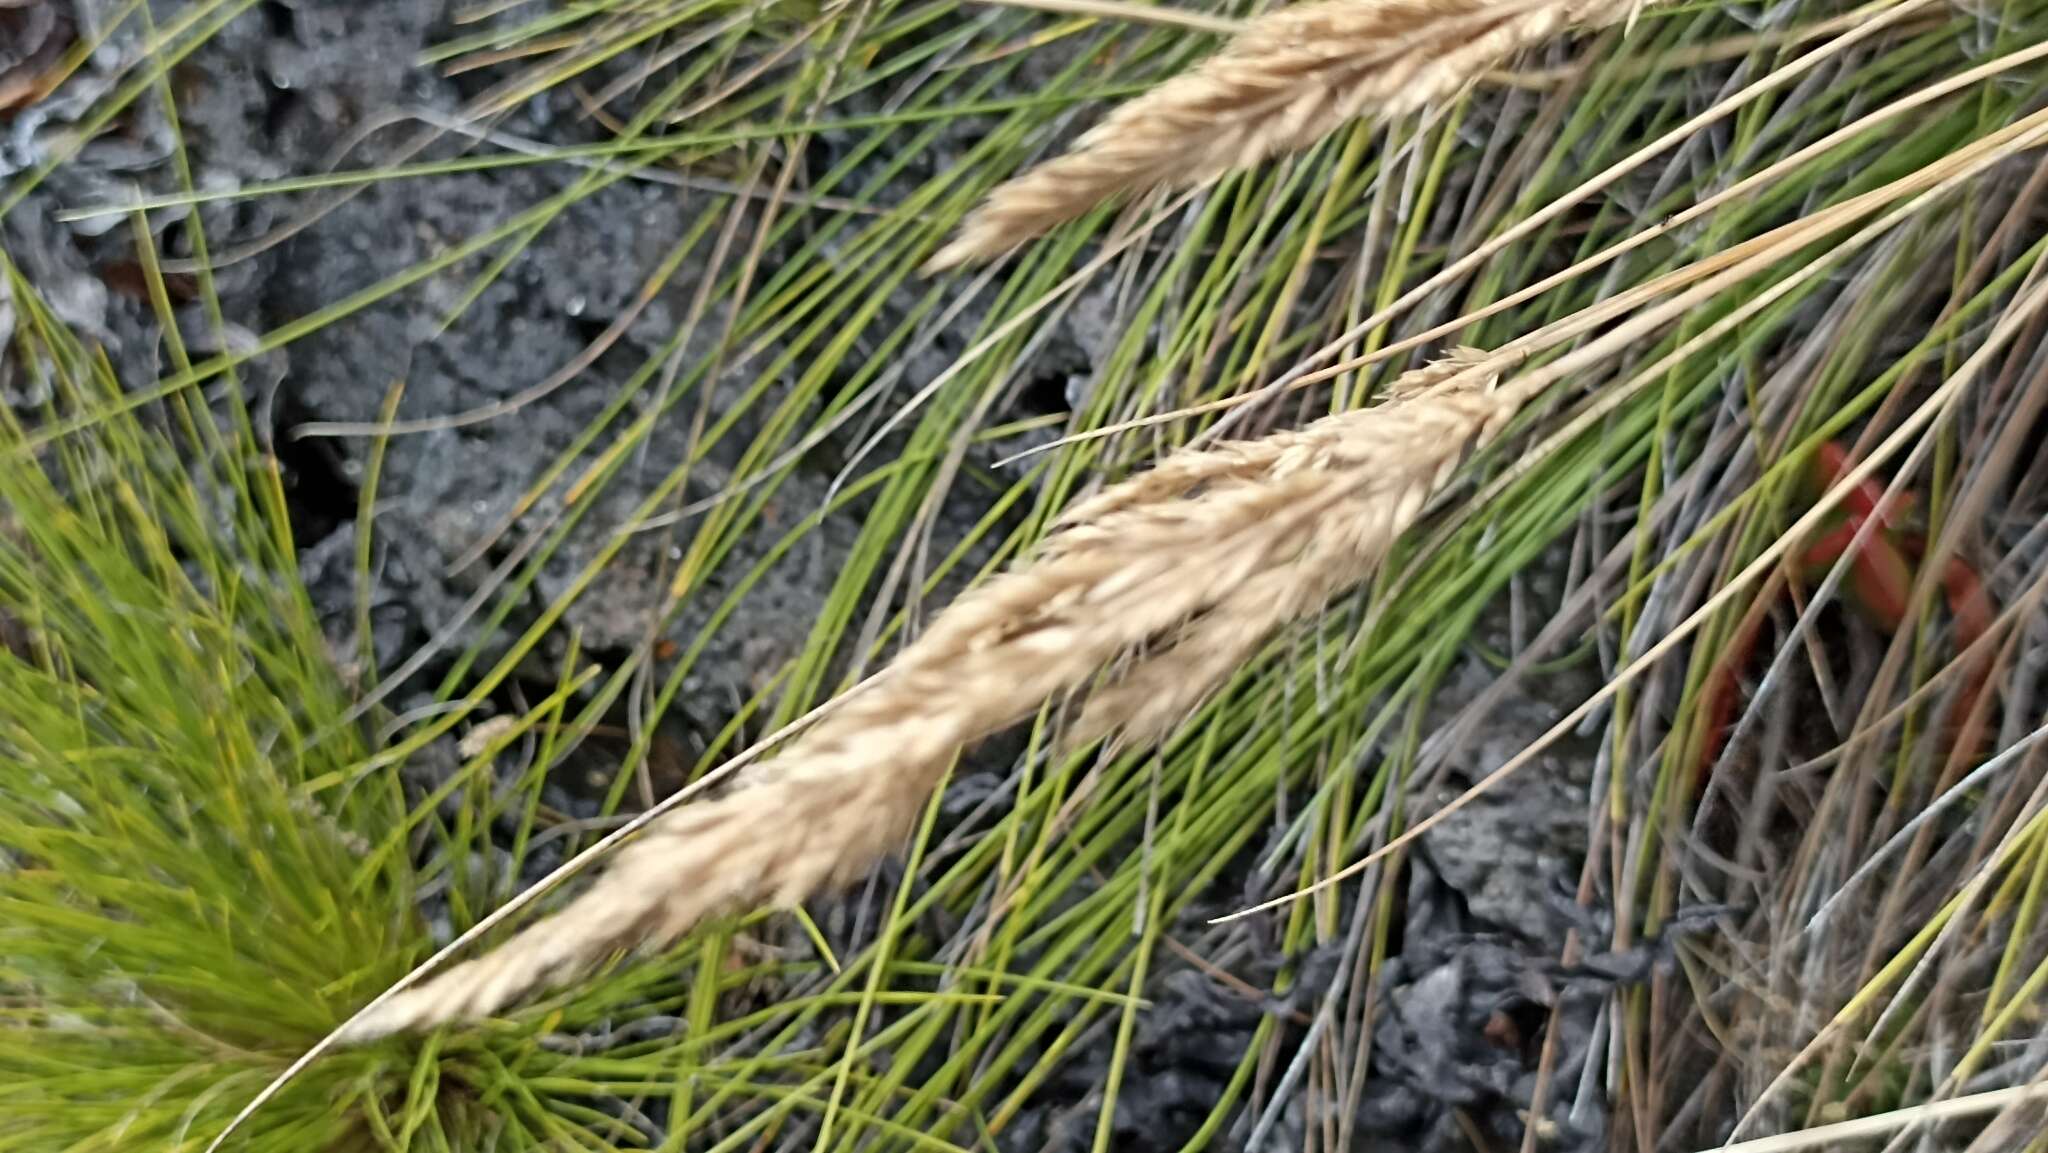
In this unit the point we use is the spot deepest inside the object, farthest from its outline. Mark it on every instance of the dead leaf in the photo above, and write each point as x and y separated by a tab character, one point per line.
34	38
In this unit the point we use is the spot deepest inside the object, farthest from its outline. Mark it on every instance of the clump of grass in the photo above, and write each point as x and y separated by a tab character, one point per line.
184	884
1037	927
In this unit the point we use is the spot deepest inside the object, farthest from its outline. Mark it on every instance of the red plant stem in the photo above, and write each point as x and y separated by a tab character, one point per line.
1880	585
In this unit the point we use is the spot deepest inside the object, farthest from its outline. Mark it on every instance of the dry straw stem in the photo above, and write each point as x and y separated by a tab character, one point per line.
1191	564
1290	78
1862	1129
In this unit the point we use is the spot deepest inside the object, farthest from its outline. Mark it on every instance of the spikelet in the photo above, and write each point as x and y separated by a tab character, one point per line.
1200	558
1427	428
1290	78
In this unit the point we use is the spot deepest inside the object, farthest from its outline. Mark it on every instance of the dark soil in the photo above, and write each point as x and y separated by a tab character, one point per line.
1464	1005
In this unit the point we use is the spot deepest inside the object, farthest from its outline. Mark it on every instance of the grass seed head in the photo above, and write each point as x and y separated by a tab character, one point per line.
1191	564
1293	76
